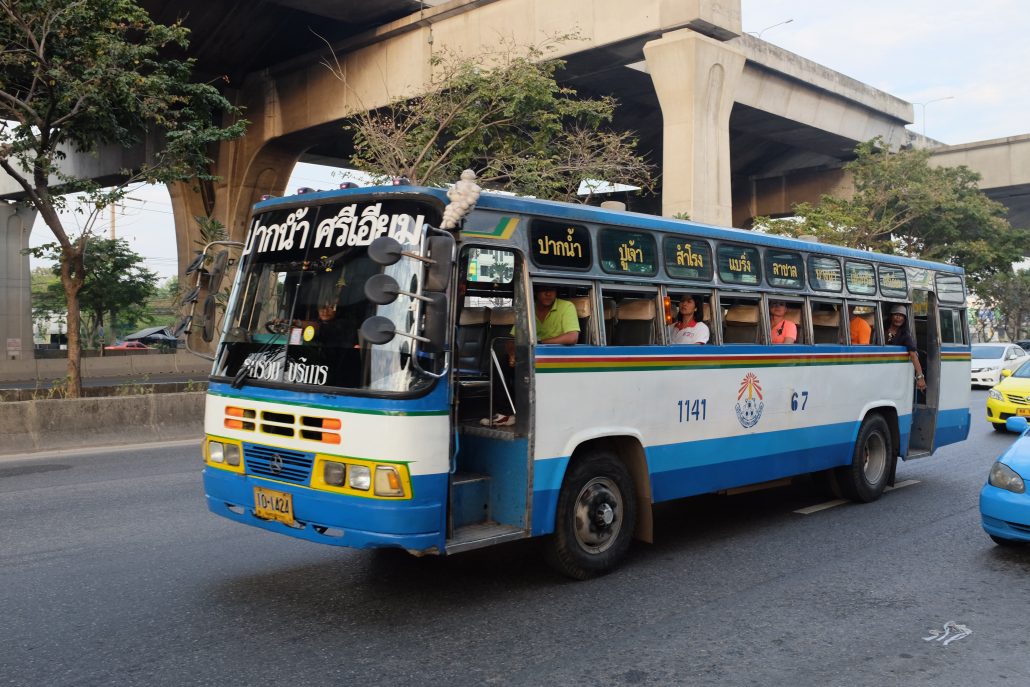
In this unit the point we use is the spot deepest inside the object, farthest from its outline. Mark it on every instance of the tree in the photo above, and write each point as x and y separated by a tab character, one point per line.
81	74
503	115
904	205
1008	293
115	290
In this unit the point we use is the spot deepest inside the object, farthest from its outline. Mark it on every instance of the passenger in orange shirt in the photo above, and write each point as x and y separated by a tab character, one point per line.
861	332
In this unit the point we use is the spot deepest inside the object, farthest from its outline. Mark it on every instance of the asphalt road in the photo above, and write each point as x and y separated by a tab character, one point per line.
113	573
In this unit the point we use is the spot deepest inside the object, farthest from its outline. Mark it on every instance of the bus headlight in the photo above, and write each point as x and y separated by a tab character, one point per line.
360	477
334	473
388	481
216	451
232	454
1004	477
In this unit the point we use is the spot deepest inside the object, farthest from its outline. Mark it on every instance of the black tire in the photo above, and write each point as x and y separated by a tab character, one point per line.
596	515
870	470
998	426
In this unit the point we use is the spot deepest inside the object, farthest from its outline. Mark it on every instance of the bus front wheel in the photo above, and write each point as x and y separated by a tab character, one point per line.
596	515
865	479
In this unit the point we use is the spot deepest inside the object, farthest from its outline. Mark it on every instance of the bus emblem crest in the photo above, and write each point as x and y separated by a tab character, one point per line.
749	401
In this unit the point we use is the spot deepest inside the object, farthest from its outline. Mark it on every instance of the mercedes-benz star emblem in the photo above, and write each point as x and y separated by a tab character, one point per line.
275	464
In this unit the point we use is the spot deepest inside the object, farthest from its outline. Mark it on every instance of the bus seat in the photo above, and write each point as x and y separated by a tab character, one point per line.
741	324
635	326
794	315
609	320
706	312
470	343
583	310
826	326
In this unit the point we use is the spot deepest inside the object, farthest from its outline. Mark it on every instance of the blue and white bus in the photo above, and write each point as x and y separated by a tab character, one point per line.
365	429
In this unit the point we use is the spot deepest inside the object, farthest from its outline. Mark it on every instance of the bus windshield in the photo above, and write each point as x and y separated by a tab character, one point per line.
299	301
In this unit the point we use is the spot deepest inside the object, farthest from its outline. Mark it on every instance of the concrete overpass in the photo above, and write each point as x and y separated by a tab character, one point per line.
738	127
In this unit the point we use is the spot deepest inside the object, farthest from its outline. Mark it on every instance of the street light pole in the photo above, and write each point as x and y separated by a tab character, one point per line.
759	34
922	111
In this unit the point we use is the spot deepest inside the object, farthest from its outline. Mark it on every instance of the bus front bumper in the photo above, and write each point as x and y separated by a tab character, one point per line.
338	519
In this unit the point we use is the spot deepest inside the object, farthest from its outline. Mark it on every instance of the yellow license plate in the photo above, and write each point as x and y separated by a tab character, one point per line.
1023	411
273	505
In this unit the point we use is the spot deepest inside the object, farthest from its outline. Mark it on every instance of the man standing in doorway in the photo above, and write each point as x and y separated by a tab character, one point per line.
899	335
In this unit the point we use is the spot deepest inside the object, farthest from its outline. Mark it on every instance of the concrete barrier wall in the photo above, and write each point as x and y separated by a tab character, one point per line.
180	362
27	426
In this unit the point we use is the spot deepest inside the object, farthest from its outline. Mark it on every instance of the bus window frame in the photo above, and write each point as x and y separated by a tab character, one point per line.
812	282
594	335
763	315
876	279
841	310
603	287
668	291
804	337
757	247
669	238
767	253
876	337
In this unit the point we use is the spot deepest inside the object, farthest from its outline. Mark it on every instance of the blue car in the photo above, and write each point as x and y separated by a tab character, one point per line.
1004	502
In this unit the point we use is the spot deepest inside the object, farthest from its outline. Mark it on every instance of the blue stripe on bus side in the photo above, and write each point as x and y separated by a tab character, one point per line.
700	467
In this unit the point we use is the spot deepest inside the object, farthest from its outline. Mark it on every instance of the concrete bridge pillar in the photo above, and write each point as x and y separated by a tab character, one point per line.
695	78
15	282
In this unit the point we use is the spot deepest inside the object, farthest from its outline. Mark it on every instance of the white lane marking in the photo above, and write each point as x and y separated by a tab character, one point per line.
952	631
820	506
89	450
839	502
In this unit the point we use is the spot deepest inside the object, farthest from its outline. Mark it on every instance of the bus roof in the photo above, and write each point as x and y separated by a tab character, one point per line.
503	202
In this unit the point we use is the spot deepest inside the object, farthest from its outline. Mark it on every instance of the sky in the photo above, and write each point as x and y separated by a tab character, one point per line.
967	65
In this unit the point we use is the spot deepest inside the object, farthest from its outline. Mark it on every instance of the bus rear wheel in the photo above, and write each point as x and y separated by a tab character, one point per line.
867	476
597	512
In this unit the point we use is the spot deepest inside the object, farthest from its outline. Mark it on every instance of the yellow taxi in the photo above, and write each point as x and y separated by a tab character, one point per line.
1010	397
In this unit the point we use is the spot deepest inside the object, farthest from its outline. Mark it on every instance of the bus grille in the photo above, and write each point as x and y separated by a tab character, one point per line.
290	466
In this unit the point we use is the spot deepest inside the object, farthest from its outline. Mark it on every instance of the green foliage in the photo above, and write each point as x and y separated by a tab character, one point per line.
503	115
116	287
77	75
1008	293
904	205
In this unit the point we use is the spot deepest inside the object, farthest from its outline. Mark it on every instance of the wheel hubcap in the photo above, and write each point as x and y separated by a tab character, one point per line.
598	515
874	461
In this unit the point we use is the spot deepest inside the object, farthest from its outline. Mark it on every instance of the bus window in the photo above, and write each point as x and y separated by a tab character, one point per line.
792	313
863	329
952	330
826	322
582	298
689	319
740	319
634	320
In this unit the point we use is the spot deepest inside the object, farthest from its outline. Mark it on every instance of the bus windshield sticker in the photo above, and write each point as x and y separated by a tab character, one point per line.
627	252
560	245
688	259
784	269
739	265
860	278
949	289
893	282
824	273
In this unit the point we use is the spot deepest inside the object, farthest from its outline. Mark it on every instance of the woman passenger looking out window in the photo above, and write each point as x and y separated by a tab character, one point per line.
782	330
687	327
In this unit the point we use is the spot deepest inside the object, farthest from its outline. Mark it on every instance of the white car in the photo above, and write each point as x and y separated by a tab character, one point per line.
989	359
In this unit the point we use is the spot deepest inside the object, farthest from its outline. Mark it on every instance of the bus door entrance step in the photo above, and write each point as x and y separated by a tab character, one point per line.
470	499
484	534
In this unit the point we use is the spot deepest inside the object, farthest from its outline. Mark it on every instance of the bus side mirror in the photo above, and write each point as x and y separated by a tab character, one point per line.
434	322
195	265
382	289
385	250
438	272
217	271
208	332
378	330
